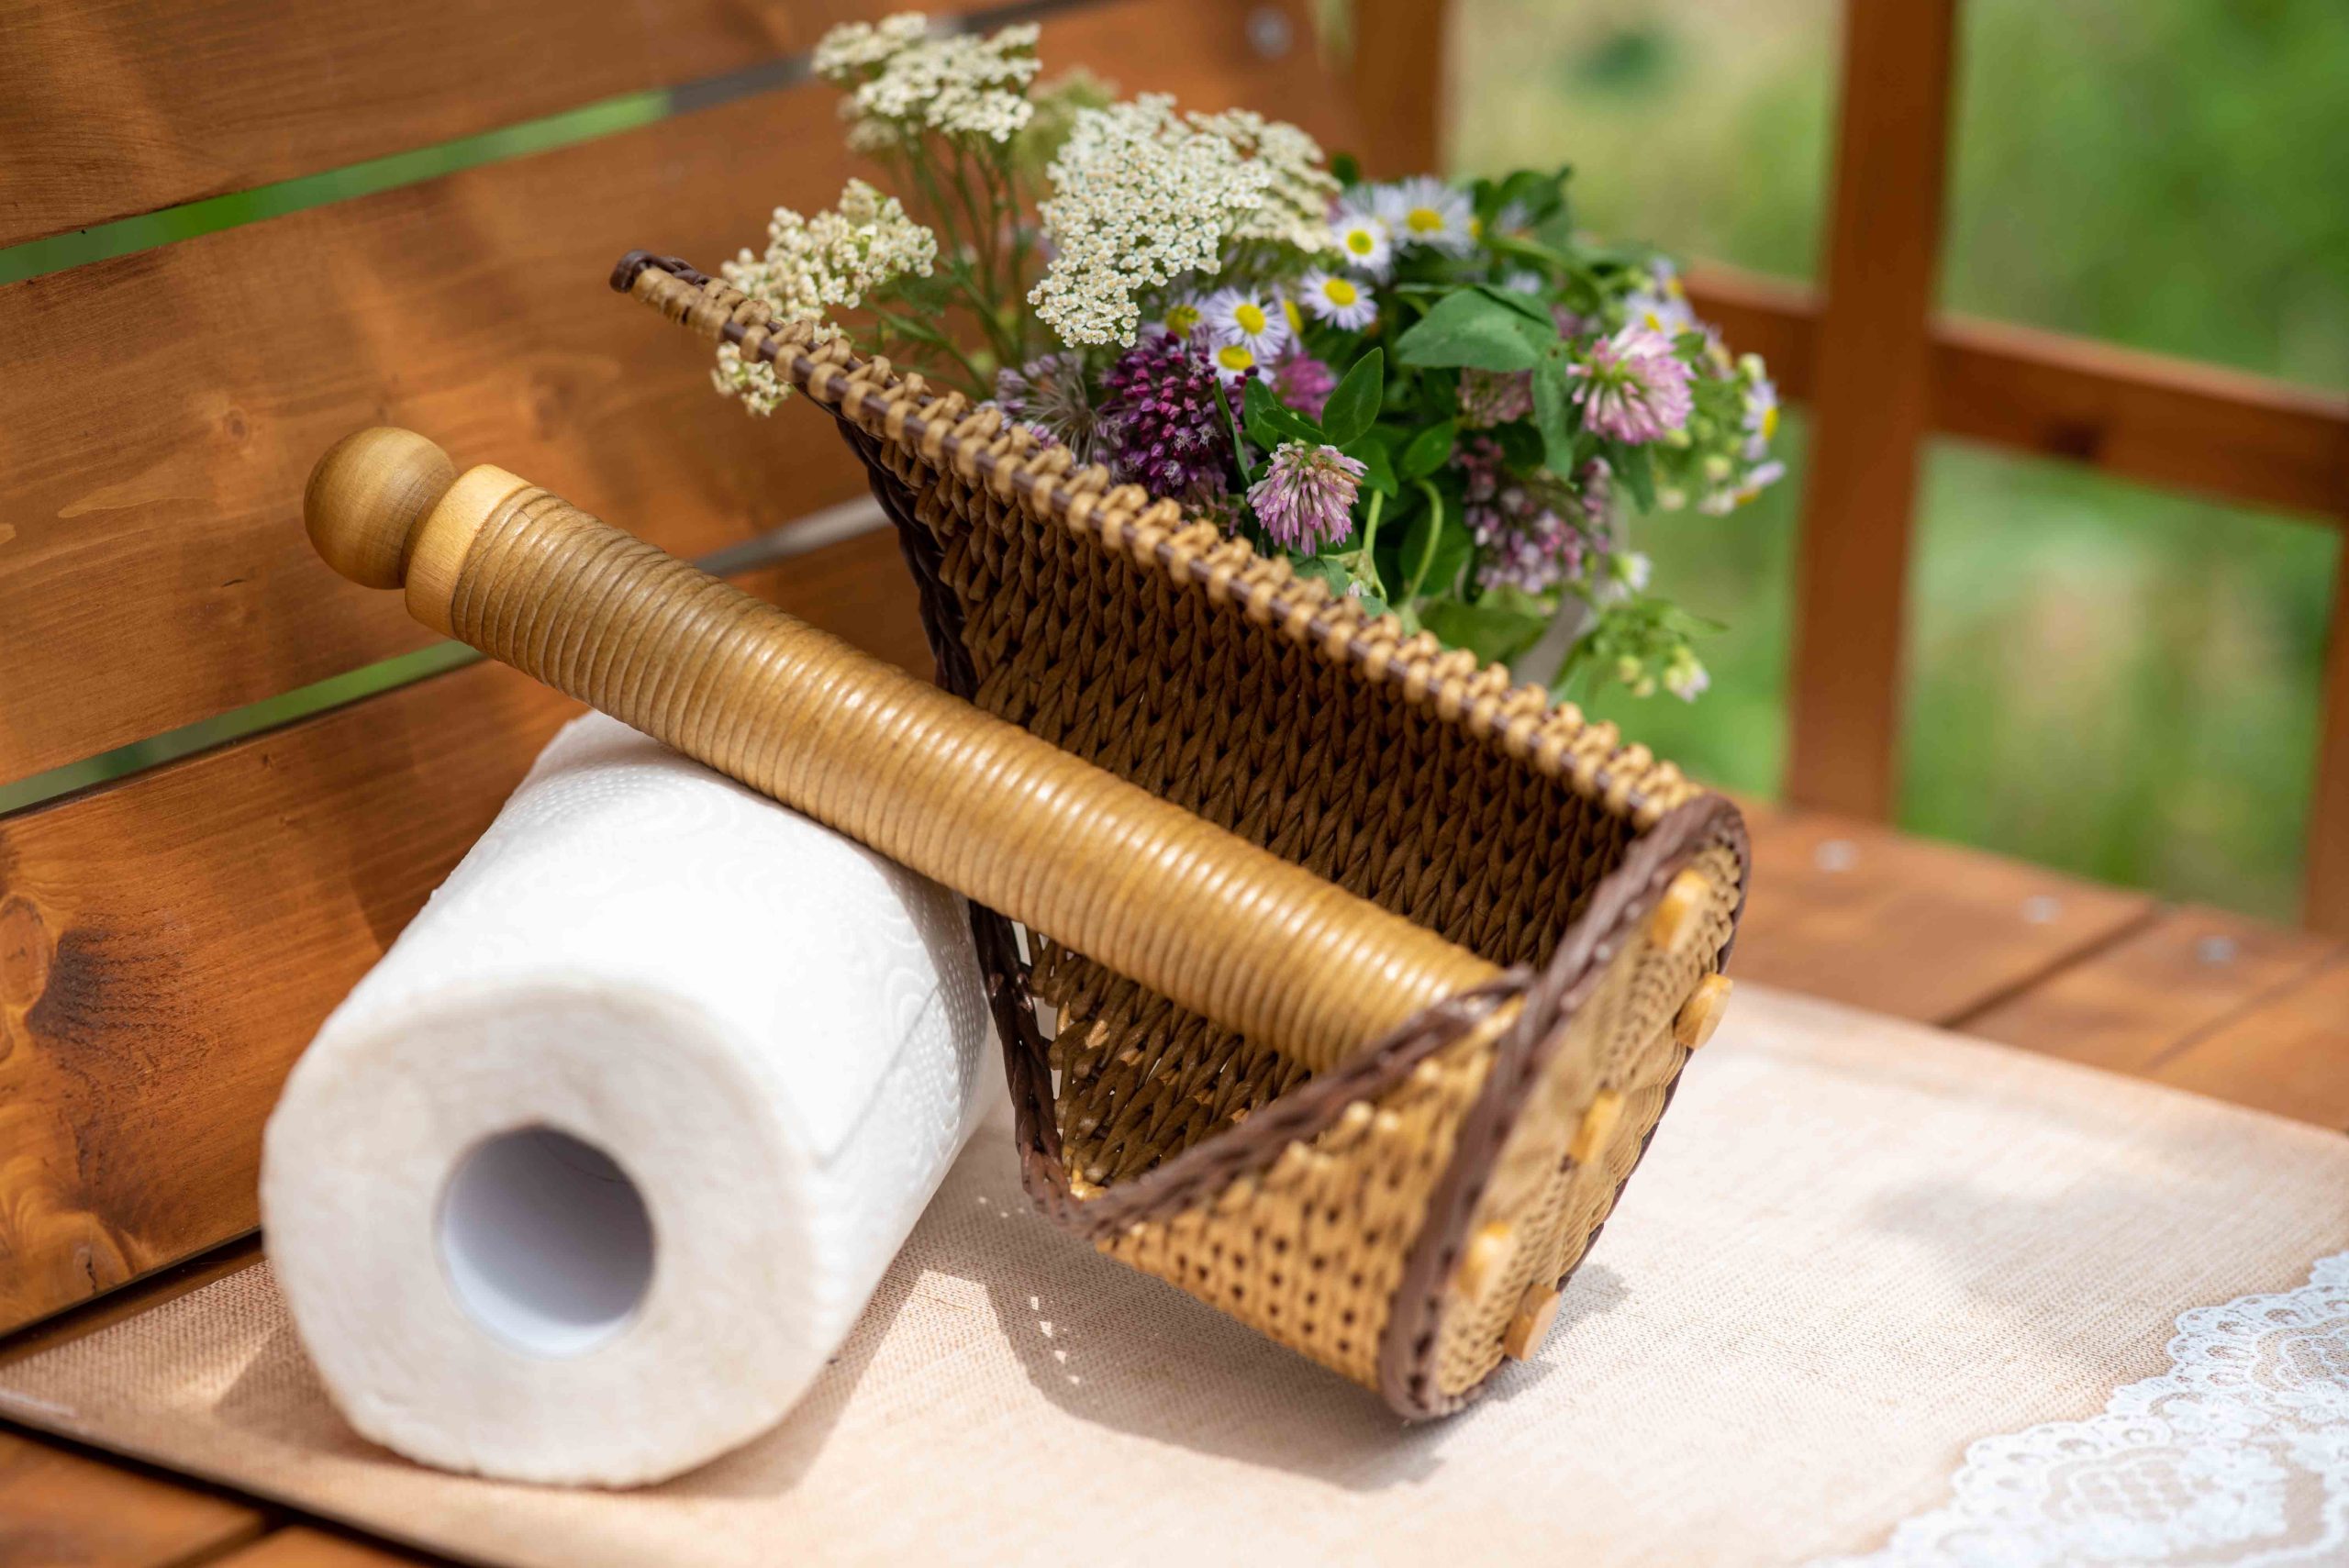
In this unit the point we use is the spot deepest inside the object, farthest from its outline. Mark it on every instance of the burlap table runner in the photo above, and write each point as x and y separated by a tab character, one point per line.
1856	1247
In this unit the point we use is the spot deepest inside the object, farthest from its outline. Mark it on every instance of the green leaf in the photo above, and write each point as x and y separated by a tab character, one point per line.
1347	168
1378	463
1553	410
1636	469
1428	450
1491	633
1532	306
1469	330
1353	407
1270	421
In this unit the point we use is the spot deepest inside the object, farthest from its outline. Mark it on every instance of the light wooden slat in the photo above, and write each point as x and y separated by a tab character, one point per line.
2289	1055
303	1548
164	1284
59	1509
169	944
152	568
2129	1006
1871	405
1857	913
2326	906
111	110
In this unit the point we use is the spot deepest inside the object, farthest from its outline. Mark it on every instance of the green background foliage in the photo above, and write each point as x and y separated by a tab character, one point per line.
2102	677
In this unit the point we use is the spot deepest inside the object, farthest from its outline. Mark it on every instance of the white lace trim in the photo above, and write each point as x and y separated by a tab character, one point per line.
2239	1454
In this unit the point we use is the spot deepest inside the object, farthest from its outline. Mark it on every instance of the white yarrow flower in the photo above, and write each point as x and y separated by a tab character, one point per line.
1337	300
1299	188
1139	197
1250	318
1425	211
957	84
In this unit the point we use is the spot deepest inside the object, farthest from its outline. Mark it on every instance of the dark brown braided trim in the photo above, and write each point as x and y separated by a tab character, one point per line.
1617	910
1622	900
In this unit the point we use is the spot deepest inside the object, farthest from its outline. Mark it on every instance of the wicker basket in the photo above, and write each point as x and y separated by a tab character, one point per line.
1406	1216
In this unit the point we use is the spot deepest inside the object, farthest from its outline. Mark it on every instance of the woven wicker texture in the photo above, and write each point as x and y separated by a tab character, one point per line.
1369	975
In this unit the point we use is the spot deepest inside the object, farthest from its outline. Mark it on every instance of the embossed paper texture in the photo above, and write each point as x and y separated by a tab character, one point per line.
1856	1247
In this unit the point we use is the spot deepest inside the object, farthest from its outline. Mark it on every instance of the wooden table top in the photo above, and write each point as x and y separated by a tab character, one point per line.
2192	997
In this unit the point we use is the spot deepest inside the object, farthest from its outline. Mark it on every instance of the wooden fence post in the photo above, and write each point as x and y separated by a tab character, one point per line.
1398	71
1872	404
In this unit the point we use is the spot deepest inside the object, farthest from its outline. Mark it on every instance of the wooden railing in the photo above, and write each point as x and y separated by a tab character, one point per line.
1881	372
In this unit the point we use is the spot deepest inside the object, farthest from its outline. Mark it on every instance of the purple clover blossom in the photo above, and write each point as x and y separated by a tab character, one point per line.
1532	532
1169	430
1307	496
1304	384
1634	387
1494	397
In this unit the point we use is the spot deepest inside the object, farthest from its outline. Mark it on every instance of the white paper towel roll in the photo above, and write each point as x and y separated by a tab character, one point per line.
589	1176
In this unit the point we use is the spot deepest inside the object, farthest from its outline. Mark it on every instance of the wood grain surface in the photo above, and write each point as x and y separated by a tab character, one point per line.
111	110
61	1509
301	1547
1921	930
169	944
153	567
2133	1003
2289	1055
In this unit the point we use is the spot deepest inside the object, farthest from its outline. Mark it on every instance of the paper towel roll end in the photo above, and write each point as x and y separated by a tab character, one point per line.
367	497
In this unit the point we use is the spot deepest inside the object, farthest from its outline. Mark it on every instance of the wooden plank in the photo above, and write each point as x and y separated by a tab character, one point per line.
2135	415
109	111
2129	1006
164	1284
169	944
304	1548
152	569
59	1508
1397	72
2163	421
1871	405
1857	913
2289	1055
2326	907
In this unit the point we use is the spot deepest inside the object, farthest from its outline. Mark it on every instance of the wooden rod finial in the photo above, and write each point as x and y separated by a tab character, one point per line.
366	498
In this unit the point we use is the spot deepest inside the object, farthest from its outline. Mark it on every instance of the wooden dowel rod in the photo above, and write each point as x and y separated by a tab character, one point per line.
1227	930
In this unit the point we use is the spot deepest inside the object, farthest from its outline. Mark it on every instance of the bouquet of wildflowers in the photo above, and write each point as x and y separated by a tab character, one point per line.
1442	399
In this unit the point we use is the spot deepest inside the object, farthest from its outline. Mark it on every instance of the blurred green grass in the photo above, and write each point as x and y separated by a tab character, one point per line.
2101	677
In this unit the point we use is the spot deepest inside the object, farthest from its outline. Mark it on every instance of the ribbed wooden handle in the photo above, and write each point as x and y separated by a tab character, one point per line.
1226	929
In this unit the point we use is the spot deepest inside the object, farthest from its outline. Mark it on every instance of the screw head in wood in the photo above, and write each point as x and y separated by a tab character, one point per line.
367	496
1674	921
1701	1014
1536	1311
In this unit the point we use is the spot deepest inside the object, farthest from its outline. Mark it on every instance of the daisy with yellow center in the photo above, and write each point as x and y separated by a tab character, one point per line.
1251	318
1426	211
1233	363
1180	318
1362	236
1340	301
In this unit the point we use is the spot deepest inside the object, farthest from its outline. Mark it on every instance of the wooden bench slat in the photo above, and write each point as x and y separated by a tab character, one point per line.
110	111
2128	1006
1860	914
60	1508
2289	1055
169	944
153	566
